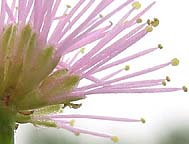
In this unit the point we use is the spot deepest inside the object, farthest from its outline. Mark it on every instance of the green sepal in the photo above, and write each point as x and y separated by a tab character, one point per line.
7	44
17	60
20	118
45	123
58	84
49	109
32	63
35	71
24	37
30	101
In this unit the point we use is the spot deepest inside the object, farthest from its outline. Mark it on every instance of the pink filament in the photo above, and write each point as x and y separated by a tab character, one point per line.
78	131
94	117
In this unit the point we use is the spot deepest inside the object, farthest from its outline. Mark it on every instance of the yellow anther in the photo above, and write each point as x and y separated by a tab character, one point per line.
72	123
127	67
149	28
185	89
164	83
139	20
160	46
168	78
68	6
155	23
148	22
143	120
136	5
115	139
175	62
82	50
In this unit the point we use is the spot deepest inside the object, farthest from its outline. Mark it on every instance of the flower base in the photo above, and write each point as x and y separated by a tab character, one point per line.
7	125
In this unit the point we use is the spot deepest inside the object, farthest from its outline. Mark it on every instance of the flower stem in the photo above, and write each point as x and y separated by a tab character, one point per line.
7	124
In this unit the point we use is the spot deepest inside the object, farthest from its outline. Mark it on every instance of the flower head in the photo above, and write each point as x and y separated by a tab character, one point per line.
44	59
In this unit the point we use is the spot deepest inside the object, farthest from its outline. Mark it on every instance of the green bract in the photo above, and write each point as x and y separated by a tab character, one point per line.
27	81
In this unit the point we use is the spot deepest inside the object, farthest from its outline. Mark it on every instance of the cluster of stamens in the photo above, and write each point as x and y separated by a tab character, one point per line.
49	79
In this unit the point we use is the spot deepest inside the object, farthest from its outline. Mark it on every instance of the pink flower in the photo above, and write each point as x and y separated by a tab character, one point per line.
44	66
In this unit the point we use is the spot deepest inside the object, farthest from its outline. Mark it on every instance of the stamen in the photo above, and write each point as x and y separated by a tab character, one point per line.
127	67
68	6
149	29
155	23
78	131
148	22
101	16
164	83
160	46
115	31
143	120
133	90
168	78
185	89
175	62
123	60
115	139
106	118
82	50
139	20
111	23
112	74
136	5
72	123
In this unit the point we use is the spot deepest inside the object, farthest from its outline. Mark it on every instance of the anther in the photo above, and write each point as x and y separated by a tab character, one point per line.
82	50
148	22
155	23
68	6
160	46
127	67
143	120
111	23
164	83
72	122
136	5
139	20
168	78
149	28
185	89
101	16
115	139
175	62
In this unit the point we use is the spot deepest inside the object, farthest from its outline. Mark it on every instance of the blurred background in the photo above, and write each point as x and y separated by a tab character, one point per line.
167	115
